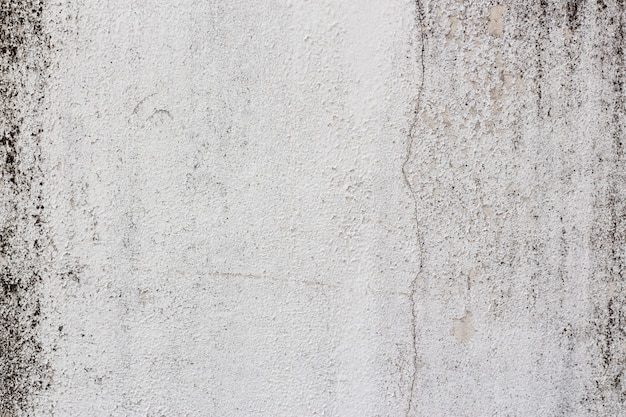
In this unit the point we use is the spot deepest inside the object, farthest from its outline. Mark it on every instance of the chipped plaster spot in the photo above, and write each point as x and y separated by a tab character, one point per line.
454	22
463	328
495	26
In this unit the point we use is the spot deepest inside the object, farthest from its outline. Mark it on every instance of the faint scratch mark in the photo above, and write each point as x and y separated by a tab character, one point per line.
159	112
143	100
270	278
311	283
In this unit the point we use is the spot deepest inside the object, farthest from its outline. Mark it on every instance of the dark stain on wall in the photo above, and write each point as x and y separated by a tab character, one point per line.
23	61
543	36
608	240
574	11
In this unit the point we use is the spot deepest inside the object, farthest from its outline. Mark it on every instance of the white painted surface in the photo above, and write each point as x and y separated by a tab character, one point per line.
234	234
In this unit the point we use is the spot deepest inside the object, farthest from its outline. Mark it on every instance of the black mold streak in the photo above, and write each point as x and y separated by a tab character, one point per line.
573	13
608	388
23	51
544	34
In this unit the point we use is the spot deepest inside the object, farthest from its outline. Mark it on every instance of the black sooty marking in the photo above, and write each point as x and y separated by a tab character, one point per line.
23	60
574	9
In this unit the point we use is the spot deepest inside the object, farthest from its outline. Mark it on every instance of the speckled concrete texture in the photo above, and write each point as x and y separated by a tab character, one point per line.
298	208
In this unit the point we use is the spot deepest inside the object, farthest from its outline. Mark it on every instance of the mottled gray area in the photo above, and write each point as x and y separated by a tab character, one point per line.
518	172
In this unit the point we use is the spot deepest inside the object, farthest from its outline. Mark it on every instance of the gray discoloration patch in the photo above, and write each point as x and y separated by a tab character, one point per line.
608	388
522	132
22	237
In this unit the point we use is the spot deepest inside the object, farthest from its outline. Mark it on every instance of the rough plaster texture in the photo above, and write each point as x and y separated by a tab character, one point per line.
290	208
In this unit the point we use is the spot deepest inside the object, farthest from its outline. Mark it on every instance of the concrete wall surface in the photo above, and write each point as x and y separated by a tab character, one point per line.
323	207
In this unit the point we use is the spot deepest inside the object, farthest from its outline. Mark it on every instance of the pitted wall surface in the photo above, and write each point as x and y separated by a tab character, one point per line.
344	208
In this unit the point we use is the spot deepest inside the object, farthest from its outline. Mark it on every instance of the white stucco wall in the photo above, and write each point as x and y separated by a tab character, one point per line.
343	208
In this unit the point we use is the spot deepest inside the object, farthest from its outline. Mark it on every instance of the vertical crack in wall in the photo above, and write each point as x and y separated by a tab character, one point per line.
23	51
419	26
